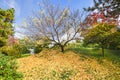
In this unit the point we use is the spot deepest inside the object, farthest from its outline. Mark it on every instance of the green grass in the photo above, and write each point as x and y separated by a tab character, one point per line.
112	55
25	55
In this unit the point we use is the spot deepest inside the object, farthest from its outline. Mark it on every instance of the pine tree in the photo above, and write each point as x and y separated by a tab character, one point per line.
111	7
6	29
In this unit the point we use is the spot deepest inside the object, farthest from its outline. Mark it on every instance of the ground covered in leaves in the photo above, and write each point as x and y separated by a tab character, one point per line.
54	65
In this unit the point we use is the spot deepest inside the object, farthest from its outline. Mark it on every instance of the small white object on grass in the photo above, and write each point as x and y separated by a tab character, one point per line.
31	51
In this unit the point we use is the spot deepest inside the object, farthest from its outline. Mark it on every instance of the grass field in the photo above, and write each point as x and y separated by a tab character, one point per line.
112	55
74	64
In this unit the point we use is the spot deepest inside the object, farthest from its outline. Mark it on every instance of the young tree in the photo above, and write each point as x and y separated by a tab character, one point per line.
53	22
101	34
6	29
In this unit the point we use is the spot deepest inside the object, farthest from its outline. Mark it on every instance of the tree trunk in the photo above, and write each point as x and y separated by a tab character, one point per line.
102	50
62	48
75	45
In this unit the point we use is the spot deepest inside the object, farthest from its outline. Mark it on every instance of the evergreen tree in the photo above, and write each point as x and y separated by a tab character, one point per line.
6	29
111	7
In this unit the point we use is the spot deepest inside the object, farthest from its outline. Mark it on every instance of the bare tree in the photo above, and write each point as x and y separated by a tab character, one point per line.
55	24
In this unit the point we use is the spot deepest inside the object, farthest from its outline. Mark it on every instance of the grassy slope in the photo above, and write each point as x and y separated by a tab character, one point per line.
53	65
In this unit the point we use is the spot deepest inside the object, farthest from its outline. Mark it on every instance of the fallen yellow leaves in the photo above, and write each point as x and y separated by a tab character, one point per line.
54	65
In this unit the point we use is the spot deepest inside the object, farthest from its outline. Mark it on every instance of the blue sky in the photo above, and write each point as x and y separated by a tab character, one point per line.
24	8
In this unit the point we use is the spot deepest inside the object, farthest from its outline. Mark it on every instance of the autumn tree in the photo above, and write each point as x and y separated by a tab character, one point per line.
99	17
6	29
107	9
95	18
103	22
56	24
100	28
110	10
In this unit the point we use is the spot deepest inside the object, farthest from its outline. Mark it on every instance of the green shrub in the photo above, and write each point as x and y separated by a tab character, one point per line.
24	49
38	48
8	67
13	50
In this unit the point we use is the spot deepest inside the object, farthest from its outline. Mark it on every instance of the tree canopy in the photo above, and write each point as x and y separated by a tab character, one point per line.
56	24
6	29
100	34
96	17
103	23
109	7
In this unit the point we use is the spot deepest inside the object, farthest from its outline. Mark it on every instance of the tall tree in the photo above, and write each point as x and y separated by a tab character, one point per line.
109	7
6	29
55	24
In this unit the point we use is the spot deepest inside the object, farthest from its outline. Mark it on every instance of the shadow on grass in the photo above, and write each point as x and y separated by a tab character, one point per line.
87	51
112	55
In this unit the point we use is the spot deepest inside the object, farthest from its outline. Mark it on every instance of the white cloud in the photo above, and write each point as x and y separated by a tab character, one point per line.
13	4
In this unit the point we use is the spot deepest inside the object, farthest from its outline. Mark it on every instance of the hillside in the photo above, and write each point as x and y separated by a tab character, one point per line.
54	65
